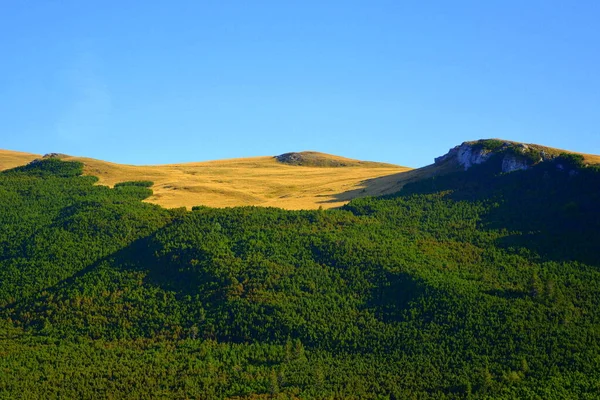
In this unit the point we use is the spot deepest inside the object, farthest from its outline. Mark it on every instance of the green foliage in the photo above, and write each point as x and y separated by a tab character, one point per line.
491	144
571	160
146	184
530	153
50	167
480	286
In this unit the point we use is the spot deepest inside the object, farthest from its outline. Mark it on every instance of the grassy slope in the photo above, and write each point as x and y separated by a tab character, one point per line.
257	181
10	159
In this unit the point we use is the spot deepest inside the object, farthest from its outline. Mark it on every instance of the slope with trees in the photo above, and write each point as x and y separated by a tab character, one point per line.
472	284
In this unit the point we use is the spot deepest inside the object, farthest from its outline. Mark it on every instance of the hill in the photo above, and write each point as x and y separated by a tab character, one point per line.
460	158
302	180
258	181
469	283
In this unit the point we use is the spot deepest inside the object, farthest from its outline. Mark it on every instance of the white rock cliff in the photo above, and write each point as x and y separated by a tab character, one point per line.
468	154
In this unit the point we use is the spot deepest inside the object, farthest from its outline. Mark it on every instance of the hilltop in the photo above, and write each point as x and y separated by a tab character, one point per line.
511	155
514	155
317	159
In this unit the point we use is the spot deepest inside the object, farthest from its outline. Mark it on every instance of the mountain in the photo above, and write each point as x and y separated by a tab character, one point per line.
469	282
513	156
259	181
298	180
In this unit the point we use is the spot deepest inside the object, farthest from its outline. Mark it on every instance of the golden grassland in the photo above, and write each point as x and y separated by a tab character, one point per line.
256	181
11	159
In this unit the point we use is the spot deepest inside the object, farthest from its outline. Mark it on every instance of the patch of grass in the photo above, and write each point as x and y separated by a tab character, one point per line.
572	160
491	144
135	183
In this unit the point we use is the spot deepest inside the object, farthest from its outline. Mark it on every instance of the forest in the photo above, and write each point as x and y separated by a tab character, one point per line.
470	285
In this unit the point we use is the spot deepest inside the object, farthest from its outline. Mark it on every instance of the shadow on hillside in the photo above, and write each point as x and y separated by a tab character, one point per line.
24	305
389	184
161	273
94	280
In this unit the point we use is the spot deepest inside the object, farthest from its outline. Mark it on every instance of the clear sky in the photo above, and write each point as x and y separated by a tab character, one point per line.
148	82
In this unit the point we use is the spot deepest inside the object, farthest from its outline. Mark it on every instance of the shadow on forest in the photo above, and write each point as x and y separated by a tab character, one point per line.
549	209
392	295
508	294
119	258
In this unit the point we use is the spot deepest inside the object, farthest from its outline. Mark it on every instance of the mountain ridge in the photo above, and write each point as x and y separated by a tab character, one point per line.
472	283
294	180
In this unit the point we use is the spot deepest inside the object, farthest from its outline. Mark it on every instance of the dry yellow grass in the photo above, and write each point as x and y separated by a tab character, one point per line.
589	158
10	159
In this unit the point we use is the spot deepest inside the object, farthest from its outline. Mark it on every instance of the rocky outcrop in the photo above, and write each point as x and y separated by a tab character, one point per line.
466	155
513	156
55	155
511	163
290	158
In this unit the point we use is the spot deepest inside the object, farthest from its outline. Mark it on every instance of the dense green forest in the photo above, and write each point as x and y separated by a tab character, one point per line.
469	285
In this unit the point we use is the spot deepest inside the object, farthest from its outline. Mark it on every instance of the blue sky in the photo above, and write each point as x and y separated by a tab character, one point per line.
148	82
